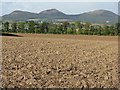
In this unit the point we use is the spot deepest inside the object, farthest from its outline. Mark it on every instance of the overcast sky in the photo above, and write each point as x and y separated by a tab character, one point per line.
66	7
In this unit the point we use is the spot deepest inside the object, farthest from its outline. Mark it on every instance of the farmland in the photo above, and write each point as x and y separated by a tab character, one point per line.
39	60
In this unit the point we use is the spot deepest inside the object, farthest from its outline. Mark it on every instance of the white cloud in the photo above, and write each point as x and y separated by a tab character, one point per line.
66	7
0	9
60	0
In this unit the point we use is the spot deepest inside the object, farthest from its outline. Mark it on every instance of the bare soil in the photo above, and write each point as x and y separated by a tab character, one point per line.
74	61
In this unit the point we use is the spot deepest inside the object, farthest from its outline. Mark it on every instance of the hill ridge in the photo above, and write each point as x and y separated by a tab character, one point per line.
96	16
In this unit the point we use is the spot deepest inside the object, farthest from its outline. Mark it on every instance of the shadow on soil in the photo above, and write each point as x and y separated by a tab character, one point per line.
8	34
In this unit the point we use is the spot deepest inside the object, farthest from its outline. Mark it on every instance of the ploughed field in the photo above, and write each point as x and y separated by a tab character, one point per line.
59	61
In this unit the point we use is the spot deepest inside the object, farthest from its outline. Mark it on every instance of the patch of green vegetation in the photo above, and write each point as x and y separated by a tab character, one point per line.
61	28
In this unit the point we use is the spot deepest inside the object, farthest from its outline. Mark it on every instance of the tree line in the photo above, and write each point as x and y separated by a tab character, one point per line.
61	28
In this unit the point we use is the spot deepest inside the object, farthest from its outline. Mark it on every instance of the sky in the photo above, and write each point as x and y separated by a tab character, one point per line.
65	7
60	0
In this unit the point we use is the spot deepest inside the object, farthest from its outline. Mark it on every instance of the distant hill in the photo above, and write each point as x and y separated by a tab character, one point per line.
0	18
97	16
52	14
20	16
